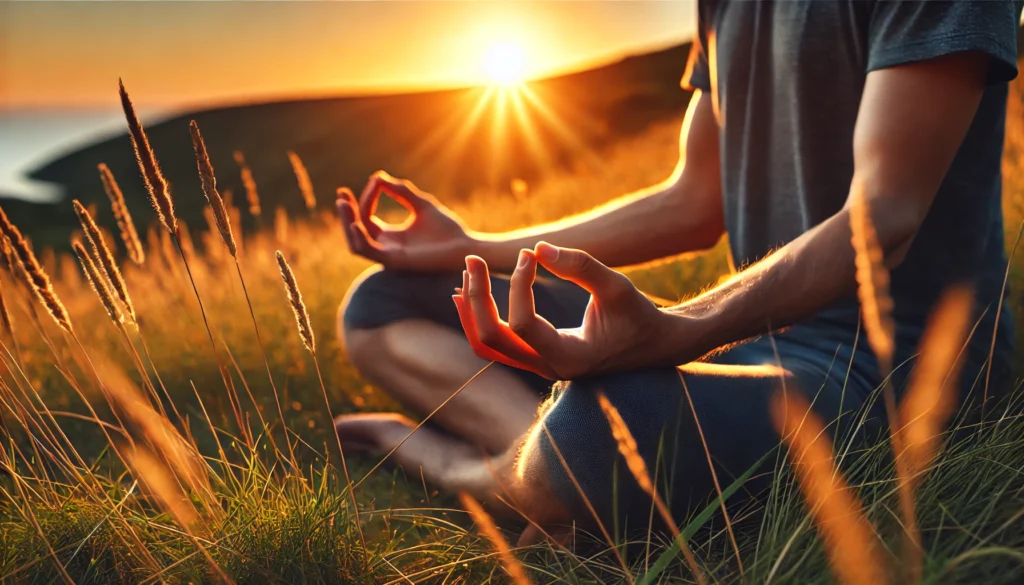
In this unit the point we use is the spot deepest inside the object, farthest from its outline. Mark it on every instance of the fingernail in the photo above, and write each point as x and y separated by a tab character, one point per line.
524	258
547	251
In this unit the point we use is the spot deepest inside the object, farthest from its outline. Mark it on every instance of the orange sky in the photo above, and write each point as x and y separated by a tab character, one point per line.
178	54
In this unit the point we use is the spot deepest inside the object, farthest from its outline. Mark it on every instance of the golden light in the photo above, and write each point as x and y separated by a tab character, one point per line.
505	63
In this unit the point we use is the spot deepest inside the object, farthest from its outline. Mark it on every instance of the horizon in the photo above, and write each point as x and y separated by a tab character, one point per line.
60	60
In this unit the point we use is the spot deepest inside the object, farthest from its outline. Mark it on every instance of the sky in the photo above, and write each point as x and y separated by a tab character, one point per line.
184	54
60	61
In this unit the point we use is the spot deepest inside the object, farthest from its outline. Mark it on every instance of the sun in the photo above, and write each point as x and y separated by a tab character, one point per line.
504	63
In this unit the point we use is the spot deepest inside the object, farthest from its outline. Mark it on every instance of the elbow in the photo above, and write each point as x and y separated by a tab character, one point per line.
698	207
896	220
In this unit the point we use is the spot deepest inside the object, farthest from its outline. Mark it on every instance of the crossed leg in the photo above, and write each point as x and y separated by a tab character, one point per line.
483	442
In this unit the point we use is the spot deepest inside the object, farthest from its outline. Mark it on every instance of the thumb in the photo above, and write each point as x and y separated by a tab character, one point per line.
580	268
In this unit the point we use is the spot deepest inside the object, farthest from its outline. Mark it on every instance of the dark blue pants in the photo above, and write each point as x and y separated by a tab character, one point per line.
730	395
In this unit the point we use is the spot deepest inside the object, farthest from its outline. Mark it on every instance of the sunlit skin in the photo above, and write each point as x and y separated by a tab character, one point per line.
621	329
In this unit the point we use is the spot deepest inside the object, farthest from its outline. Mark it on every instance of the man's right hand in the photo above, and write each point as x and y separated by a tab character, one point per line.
433	238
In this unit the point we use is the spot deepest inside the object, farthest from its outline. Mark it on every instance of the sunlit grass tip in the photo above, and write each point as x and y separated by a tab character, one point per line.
295	300
872	282
486	525
302	177
92	274
638	468
852	548
932	395
251	193
213	197
102	253
33	272
157	186
129	235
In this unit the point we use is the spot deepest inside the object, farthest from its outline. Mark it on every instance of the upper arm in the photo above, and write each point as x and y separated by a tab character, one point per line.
697	180
910	125
927	65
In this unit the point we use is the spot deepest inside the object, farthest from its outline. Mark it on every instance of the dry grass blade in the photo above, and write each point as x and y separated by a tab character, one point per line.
129	235
251	194
5	314
486	525
98	284
106	259
33	273
872	283
306	333
295	300
627	447
932	396
156	184
850	543
877	306
220	213
281	225
302	176
159	481
183	461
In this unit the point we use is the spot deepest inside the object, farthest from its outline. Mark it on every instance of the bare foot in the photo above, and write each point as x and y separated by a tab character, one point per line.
443	460
376	432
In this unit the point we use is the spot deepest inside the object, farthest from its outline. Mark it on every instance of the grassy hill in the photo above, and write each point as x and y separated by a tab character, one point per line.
432	136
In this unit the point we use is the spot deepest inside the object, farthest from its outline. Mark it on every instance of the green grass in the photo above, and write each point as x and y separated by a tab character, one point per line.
273	522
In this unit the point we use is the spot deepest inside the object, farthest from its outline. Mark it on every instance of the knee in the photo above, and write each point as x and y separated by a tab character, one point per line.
358	319
572	453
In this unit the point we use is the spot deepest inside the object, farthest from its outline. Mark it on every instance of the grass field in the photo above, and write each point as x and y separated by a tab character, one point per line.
182	482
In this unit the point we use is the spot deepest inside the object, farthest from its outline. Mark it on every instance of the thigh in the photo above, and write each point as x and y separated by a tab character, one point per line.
380	297
678	417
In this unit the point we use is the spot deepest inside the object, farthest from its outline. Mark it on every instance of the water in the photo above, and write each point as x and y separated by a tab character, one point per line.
30	138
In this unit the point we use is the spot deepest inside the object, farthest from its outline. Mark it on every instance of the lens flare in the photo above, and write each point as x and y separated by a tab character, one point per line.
504	63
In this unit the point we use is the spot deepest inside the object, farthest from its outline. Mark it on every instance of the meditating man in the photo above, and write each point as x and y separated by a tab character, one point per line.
798	108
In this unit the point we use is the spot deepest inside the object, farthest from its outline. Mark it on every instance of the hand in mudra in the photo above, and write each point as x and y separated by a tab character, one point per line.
432	238
621	328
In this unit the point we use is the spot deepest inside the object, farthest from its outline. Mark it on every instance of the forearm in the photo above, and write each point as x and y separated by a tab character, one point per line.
654	223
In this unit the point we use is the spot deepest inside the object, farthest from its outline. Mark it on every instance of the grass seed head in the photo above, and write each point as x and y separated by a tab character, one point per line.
251	194
932	394
213	197
302	177
157	186
872	282
103	254
36	278
99	284
850	543
485	524
298	307
129	235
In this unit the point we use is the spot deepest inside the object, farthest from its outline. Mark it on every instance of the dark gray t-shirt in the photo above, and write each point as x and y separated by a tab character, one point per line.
788	79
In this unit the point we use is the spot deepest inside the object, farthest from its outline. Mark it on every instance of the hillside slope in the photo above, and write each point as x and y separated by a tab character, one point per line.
430	136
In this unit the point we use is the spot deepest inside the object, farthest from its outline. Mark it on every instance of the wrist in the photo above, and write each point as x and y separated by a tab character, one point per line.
690	334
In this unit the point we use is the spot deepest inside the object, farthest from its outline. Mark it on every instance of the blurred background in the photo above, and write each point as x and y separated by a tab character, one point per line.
462	97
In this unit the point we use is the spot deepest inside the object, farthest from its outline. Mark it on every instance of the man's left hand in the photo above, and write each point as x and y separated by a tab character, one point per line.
622	329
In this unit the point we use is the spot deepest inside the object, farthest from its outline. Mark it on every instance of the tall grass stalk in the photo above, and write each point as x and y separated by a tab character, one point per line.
876	307
160	194
628	448
291	287
220	214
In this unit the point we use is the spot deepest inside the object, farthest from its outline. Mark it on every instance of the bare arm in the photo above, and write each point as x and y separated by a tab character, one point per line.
911	123
682	214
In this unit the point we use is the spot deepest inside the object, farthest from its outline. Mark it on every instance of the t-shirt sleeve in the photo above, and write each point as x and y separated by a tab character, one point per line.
902	31
698	73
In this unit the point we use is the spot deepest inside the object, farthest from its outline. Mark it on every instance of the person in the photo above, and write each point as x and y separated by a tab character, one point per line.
797	109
